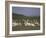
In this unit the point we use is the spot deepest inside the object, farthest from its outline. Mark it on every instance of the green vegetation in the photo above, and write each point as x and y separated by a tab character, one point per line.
21	17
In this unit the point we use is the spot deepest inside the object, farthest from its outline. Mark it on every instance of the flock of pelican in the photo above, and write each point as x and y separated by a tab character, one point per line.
26	23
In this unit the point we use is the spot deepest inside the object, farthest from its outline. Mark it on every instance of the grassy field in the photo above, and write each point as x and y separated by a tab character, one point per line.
19	18
22	28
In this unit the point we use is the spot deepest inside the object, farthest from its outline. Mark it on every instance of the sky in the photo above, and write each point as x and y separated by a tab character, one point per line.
27	11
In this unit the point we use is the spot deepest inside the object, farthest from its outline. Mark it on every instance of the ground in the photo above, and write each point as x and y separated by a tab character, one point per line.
20	28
